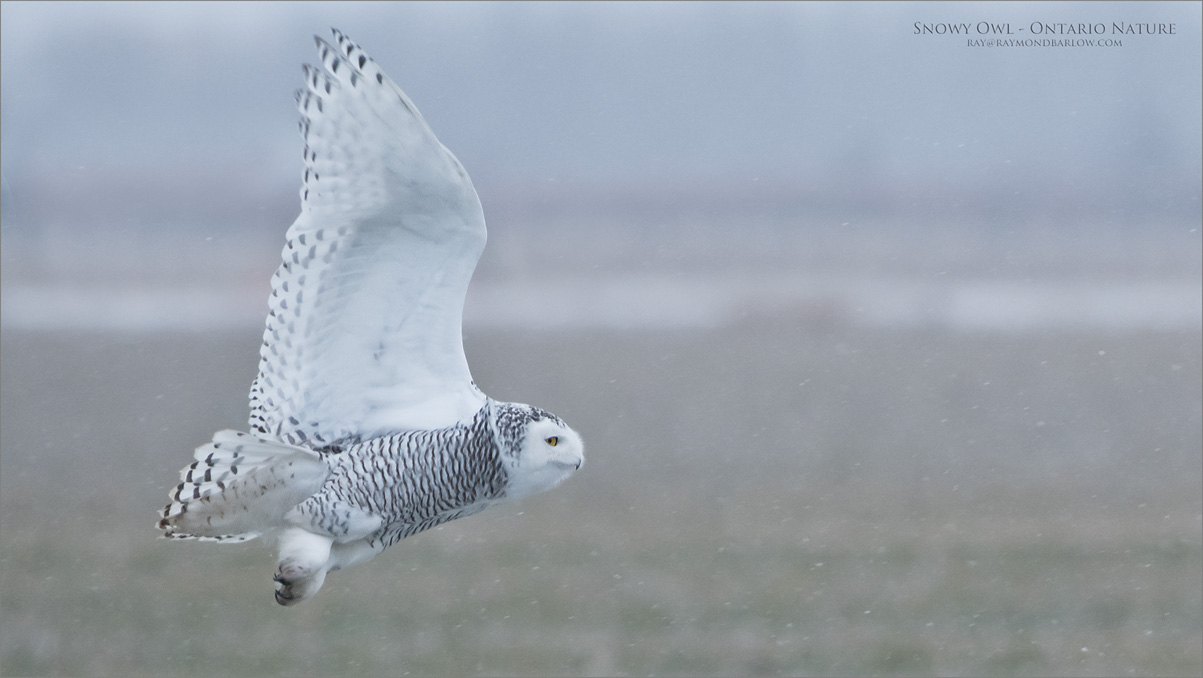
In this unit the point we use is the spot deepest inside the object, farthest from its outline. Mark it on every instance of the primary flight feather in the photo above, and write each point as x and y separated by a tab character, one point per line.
366	426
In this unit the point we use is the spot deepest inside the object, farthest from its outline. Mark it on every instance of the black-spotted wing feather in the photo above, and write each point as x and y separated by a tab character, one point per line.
363	334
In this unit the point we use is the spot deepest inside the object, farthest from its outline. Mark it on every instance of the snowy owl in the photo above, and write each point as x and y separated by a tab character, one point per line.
366	426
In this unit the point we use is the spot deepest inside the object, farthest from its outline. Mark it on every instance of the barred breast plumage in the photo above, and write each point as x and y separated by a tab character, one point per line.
413	481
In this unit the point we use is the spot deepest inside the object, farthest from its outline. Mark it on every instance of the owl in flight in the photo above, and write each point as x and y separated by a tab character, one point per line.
365	425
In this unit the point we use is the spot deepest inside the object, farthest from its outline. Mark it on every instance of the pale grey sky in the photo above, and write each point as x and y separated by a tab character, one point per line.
841	97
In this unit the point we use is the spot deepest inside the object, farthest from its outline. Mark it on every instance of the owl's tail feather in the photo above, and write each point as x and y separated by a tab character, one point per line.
240	487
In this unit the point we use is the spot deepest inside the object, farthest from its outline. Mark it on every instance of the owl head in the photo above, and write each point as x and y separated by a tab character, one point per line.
538	449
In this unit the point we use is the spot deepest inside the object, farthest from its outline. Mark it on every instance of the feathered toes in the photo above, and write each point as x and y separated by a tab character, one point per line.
240	487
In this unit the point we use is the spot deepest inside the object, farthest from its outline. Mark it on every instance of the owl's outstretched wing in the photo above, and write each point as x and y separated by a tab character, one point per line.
364	333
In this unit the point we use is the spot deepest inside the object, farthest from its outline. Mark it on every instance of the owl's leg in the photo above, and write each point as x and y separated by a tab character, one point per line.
304	561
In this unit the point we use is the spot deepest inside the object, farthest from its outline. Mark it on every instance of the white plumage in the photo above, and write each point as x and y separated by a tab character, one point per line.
366	426
375	268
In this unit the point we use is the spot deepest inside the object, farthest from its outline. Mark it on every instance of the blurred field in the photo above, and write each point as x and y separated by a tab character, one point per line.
764	499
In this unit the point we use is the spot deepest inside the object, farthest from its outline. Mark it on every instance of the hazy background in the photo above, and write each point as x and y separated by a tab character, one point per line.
886	349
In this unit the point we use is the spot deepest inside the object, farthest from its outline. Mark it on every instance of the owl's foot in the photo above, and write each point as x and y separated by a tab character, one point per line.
304	561
292	589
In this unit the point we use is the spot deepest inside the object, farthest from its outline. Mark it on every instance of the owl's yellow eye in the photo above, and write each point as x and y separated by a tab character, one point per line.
553	441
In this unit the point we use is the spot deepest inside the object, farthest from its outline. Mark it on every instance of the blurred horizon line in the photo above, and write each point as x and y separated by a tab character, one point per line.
49	200
659	302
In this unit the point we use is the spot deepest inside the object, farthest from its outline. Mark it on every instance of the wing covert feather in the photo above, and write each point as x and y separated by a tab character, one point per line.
363	333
